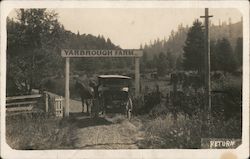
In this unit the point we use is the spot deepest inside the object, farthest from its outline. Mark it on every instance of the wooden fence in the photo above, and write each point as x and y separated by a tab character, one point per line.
22	103
54	104
47	102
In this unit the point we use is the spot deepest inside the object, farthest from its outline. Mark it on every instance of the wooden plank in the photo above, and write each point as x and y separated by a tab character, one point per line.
21	103
24	97
59	99
27	108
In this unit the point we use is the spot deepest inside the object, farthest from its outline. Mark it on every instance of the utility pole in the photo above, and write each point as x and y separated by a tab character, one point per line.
207	69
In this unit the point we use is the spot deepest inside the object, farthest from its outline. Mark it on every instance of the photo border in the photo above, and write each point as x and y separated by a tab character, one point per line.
241	152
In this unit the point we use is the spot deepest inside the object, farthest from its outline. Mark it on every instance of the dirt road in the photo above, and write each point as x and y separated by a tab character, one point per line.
113	132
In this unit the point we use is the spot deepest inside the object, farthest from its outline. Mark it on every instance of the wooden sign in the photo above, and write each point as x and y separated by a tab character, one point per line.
101	53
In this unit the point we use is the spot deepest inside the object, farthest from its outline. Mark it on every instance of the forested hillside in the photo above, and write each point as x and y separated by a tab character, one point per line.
176	41
35	39
34	42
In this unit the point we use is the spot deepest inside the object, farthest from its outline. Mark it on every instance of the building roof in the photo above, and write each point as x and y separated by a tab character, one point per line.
114	76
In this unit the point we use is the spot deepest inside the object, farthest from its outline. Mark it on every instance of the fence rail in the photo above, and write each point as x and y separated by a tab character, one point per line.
21	103
24	97
25	103
51	103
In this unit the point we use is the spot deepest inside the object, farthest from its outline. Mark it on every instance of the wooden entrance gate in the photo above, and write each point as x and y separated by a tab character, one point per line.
68	53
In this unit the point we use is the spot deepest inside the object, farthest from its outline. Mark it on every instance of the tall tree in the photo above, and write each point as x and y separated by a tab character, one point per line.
179	61
171	60
154	61
239	51
143	61
31	39
194	48
226	60
162	64
213	56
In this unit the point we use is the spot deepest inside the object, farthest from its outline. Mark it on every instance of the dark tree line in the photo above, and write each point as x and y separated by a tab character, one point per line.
163	63
186	46
223	56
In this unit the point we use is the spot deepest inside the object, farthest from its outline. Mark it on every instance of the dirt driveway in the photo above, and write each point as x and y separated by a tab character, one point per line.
112	132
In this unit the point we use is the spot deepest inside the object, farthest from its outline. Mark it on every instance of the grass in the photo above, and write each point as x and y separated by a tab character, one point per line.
163	132
33	131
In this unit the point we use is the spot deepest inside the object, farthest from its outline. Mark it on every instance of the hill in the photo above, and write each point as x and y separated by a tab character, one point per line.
176	40
34	43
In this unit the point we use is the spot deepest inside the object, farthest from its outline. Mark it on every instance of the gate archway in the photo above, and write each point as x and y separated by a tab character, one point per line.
71	53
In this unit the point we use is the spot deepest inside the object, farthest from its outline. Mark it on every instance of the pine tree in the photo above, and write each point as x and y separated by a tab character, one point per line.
162	64
179	61
171	60
213	56
239	51
226	60
194	48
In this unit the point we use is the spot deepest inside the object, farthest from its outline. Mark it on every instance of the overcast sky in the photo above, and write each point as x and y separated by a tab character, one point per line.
129	28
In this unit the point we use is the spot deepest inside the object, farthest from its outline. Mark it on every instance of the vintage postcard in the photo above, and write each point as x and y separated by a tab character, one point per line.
125	79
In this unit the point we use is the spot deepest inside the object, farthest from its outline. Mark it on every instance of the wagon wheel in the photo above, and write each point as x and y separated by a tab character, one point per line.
129	108
95	108
129	114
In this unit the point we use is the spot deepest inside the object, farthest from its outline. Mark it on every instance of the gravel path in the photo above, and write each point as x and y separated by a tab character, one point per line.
114	132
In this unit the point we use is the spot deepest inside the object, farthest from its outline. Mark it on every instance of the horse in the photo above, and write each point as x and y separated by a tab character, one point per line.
86	93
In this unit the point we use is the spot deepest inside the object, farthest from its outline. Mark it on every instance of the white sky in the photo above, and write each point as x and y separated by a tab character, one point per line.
129	27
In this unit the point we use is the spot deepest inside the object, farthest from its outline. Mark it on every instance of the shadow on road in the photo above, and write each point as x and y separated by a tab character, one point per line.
82	120
105	144
77	115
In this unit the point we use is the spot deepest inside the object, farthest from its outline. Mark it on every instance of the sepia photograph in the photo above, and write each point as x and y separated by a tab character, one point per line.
122	78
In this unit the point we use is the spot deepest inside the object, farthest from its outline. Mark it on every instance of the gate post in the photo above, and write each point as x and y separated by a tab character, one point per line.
66	108
137	76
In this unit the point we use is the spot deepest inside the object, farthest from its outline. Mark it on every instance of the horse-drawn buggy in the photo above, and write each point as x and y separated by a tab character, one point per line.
114	94
111	95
